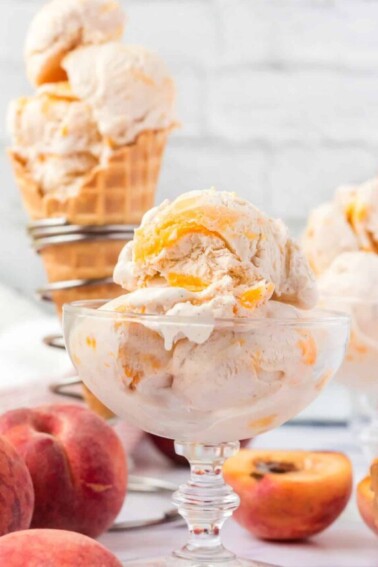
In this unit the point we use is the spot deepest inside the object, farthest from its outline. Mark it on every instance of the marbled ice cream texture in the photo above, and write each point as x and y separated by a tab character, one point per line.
55	134
215	244
341	244
64	25
207	255
128	87
348	223
94	94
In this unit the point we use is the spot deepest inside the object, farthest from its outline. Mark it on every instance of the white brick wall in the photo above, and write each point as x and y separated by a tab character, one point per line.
278	101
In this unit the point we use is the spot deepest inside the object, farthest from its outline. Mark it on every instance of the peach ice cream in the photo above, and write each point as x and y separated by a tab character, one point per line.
99	119
56	137
64	25
349	223
341	243
128	87
215	242
208	277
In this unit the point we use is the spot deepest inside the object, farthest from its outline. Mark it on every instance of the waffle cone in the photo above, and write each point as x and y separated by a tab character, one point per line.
118	193
95	291
82	260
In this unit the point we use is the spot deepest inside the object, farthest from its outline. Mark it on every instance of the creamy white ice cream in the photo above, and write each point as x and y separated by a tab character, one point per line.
352	275
217	243
346	224
62	26
328	234
341	243
94	96
196	350
56	136
350	284
128	87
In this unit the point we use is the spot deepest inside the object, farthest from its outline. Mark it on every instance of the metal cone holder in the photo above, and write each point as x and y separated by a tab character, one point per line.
57	232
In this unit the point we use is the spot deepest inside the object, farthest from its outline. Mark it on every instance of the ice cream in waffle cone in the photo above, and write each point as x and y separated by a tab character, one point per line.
88	146
117	192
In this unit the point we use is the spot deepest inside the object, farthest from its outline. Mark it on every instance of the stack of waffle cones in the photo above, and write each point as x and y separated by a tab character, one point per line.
80	237
79	265
118	193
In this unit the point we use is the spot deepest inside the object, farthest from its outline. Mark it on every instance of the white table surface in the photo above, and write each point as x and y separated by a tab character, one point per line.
347	543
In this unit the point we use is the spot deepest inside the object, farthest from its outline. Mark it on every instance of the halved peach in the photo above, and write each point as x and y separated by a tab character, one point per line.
289	495
367	498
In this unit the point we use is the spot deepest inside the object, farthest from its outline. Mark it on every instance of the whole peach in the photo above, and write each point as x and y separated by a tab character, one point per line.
77	465
53	548
365	503
289	495
16	490
367	498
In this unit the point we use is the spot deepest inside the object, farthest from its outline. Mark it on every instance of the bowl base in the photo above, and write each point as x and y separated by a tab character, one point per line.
175	562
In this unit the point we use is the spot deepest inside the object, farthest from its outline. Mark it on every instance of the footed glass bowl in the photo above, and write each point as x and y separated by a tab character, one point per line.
359	371
205	383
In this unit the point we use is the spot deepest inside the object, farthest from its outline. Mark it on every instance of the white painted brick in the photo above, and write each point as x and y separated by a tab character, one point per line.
277	106
15	17
245	28
187	167
190	103
342	33
13	85
183	32
10	199
16	255
291	31
301	178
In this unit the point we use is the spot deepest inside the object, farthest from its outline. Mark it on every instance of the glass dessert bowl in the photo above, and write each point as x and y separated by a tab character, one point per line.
359	369
205	382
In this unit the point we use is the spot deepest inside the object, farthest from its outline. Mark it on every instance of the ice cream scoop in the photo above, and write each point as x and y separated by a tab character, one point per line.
64	25
128	87
350	285
346	224
56	136
328	234
341	243
214	243
352	275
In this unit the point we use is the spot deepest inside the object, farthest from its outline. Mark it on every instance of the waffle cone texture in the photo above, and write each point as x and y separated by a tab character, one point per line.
83	260
119	192
105	291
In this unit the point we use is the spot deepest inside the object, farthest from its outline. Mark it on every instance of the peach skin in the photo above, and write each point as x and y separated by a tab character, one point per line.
53	548
77	465
16	491
367	498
